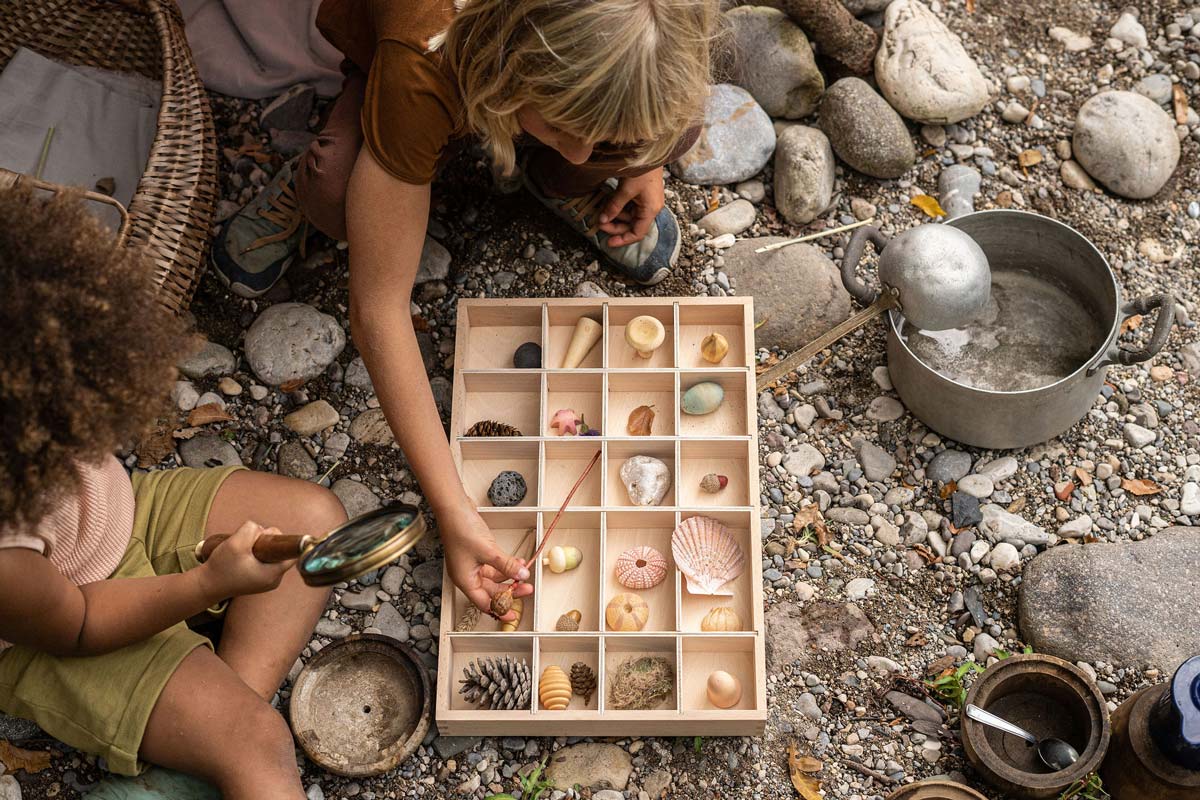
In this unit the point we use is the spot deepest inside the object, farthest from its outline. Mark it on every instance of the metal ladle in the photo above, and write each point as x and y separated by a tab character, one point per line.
936	275
1054	753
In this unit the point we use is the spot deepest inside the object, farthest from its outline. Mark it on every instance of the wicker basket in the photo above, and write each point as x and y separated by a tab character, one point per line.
172	210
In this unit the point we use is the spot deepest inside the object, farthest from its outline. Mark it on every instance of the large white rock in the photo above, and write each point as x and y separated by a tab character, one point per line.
923	70
804	174
774	62
735	144
1126	142
292	341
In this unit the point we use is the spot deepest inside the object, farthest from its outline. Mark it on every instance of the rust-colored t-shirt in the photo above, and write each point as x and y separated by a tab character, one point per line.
412	108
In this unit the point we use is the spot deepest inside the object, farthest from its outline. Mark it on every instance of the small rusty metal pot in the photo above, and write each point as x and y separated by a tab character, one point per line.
361	706
1017	241
1049	698
936	790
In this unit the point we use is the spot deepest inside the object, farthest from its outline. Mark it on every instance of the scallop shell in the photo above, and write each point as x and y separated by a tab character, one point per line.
707	555
554	689
626	613
641	567
646	479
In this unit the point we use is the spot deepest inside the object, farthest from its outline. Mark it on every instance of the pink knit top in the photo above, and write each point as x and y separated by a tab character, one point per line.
85	535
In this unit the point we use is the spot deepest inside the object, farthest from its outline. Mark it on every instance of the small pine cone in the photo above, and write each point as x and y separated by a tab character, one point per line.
490	427
583	681
498	684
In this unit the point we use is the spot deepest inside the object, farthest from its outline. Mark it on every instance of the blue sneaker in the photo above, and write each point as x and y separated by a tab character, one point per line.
255	247
646	262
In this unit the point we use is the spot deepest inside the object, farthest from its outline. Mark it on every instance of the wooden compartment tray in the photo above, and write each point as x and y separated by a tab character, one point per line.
602	522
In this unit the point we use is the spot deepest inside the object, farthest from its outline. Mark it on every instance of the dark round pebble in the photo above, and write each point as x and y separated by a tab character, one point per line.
528	356
508	489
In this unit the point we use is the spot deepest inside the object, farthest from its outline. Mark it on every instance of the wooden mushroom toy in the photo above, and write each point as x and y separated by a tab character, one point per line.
645	335
587	333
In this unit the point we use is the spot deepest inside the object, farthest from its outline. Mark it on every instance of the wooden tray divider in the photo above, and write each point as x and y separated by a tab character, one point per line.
545	338
675	338
601	675
605	326
679	673
601	569
678	576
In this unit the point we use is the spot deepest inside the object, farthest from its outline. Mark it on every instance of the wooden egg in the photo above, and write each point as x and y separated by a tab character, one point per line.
626	612
721	618
724	690
554	689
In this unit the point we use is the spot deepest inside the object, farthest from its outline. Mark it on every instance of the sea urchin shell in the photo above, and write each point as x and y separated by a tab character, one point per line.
641	567
707	554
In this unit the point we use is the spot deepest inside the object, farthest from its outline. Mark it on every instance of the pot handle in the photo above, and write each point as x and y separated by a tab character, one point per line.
854	253
1116	354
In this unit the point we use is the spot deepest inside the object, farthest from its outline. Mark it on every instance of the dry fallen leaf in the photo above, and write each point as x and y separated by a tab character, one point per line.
809	764
16	758
806	786
155	445
1004	199
970	6
1140	487
929	205
641	420
811	515
1181	104
183	434
1030	158
1131	323
948	489
292	385
208	414
1084	477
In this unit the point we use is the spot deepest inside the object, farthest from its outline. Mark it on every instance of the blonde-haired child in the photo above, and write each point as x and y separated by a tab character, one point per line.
584	93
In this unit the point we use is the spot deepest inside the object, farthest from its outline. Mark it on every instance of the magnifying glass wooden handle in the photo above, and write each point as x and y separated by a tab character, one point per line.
268	548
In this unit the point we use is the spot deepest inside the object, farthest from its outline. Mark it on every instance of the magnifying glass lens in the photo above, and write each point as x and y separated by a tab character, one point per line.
354	543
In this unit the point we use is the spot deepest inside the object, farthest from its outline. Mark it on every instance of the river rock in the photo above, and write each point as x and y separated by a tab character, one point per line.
312	418
289	111
210	360
947	466
957	187
878	464
798	634
804	461
208	451
356	498
1075	177
1126	142
999	525
797	291
865	131
774	62
735	144
592	765
295	462
1005	557
804	174
292	342
1128	30
371	427
861	8
732	219
1128	604
923	70
435	261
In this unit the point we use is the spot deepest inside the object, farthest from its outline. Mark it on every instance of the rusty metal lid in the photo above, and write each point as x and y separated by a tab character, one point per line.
936	790
361	706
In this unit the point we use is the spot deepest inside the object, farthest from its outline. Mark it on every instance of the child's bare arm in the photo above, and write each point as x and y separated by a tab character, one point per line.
41	609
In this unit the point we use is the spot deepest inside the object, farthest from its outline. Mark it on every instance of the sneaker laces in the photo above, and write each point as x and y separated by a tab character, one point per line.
283	211
584	206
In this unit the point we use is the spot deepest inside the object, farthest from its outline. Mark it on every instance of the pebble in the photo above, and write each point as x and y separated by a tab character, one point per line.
1155	87
1126	142
435	262
752	190
984	645
208	451
1129	31
775	62
184	395
292	342
948	466
958	185
294	461
312	418
1072	41
1005	557
877	463
885	409
730	219
356	497
1000	469
1189	503
1075	177
1137	436
1076	528
865	131
804	174
804	461
736	143
332	629
210	360
976	485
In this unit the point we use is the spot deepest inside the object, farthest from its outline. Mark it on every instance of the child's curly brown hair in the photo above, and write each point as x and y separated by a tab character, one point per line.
86	356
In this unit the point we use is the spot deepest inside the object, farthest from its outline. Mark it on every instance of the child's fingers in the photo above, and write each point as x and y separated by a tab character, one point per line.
624	193
509	566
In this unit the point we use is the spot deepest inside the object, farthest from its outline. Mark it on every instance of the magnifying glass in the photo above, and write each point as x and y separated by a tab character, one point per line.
359	546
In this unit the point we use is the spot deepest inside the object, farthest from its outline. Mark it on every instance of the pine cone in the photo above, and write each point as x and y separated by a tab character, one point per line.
583	681
490	427
497	684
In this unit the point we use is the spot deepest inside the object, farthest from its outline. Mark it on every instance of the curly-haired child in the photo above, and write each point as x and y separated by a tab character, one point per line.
592	97
97	570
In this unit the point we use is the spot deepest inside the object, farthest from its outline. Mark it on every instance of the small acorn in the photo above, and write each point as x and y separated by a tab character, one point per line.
714	348
561	559
569	622
713	483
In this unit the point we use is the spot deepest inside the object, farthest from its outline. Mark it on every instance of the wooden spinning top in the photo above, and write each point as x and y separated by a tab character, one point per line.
554	689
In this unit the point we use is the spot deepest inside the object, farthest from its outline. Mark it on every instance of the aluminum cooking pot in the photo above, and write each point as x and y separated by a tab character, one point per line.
987	418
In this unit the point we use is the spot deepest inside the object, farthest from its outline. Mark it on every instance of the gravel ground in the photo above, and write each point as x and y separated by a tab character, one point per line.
920	609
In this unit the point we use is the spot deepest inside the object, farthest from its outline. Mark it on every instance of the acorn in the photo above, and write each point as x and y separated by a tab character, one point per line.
714	348
569	621
713	483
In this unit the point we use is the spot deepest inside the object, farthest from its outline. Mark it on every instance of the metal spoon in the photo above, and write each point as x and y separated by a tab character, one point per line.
1054	753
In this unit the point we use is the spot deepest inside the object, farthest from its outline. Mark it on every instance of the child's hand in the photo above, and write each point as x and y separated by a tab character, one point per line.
232	570
632	208
476	564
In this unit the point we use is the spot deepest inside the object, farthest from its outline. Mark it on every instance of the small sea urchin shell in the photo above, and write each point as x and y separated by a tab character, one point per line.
641	567
707	554
626	613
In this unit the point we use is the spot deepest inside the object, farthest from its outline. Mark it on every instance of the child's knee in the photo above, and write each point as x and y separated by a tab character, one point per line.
322	506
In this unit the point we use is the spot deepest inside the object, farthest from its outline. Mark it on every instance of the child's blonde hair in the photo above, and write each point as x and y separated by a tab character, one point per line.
623	71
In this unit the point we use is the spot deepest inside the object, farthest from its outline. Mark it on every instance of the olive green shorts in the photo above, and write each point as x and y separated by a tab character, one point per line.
101	704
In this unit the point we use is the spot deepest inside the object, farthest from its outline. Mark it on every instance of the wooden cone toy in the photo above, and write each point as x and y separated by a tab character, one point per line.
587	333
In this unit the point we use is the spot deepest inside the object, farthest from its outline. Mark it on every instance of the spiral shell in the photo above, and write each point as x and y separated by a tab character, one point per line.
707	554
554	689
721	618
626	613
641	567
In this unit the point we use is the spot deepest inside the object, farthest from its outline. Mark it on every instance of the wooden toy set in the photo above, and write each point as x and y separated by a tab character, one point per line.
646	617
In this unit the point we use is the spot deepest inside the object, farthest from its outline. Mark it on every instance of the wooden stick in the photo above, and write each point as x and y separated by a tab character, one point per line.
45	152
840	36
863	769
818	235
563	507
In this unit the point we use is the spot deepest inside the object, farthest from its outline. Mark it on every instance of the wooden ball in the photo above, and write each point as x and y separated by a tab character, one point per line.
554	689
724	690
626	612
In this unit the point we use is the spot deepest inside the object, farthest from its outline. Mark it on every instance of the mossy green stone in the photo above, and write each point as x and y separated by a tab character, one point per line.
703	398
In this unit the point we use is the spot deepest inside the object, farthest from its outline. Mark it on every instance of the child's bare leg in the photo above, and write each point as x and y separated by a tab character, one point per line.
210	724
264	633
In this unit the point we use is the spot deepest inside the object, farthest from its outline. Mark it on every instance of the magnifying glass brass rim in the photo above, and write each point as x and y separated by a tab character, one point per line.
395	547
